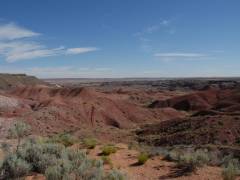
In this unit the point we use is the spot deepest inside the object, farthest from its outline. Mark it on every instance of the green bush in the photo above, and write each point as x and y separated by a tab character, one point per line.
55	161
90	143
63	138
173	155
53	173
41	156
59	171
5	147
19	131
108	149
14	167
142	158
230	172
201	157
189	160
192	160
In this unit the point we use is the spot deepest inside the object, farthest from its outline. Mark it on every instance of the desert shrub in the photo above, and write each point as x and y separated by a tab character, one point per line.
226	160
63	138
19	130
90	169
14	167
142	158
173	155
230	172
115	175
108	149
191	160
90	143
215	158
201	157
133	145
198	157
53	173
59	171
156	151
54	160
76	163
55	149
6	147
44	162
75	156
41	156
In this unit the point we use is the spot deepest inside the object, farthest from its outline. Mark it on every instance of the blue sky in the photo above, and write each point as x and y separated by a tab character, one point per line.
120	38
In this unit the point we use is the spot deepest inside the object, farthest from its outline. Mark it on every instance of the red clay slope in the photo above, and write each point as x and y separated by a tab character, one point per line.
201	100
58	109
219	124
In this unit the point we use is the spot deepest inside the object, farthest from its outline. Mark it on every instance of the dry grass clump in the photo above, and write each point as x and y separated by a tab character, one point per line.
90	143
189	160
231	170
63	138
142	158
108	149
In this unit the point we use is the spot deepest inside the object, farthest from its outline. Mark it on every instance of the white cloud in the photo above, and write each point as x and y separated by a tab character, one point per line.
14	48
143	36
11	31
153	28
21	50
80	50
179	55
174	56
165	22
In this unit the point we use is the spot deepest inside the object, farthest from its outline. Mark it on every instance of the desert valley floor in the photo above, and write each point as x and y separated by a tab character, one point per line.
156	116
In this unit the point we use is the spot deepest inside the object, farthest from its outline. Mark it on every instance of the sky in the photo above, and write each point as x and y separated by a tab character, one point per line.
120	38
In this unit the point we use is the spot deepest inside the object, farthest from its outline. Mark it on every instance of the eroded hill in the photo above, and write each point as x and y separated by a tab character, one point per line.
8	81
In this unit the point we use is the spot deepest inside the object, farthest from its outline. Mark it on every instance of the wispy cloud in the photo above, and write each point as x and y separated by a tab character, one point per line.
80	50
179	55
143	36
176	56
16	44
154	28
11	31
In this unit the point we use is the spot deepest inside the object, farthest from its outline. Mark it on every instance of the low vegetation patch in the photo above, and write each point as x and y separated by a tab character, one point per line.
63	138
108	149
115	175
189	160
90	143
142	158
231	170
55	161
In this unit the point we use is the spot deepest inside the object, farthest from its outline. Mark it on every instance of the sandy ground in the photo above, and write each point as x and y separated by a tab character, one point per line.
155	168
